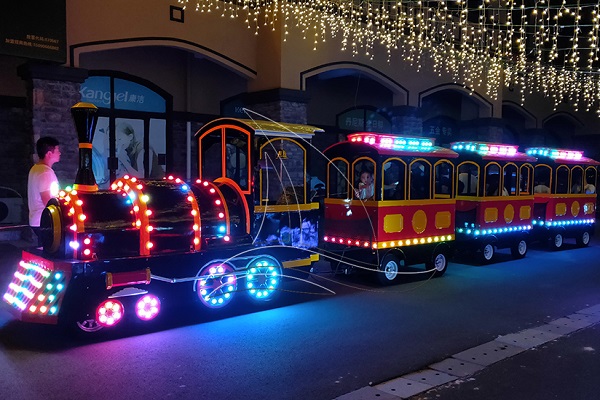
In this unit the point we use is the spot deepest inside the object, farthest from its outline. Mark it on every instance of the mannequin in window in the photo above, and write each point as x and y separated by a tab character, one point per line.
366	186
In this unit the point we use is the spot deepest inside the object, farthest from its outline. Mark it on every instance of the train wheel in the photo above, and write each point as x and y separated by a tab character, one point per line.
519	249
584	239
556	241
388	269
438	263
216	285
487	252
263	277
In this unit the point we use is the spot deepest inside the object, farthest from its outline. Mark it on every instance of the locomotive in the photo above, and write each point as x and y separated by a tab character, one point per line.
252	219
145	244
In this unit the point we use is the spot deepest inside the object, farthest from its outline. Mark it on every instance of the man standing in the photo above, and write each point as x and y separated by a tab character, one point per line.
42	184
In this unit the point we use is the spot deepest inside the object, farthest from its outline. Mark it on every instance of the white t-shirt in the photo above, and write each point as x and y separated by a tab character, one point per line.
41	178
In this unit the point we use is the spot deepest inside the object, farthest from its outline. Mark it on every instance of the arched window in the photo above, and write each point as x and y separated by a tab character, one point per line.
591	175
420	180
562	180
444	175
363	178
577	180
283	175
394	179
468	179
525	180
510	184
542	178
337	181
492	180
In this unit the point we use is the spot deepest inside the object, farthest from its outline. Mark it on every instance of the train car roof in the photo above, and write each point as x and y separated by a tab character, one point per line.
561	156
492	151
265	128
396	145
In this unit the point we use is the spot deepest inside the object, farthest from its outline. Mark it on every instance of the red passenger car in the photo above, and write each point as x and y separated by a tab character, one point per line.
565	195
494	200
389	203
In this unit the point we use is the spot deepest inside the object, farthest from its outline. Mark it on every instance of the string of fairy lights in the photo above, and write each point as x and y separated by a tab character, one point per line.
550	46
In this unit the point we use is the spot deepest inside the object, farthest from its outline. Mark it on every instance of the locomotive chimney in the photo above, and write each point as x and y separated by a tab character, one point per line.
85	117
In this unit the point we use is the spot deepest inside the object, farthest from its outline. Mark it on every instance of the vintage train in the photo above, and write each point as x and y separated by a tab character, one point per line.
252	218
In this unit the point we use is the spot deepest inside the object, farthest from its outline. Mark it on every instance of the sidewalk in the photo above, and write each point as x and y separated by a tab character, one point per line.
558	360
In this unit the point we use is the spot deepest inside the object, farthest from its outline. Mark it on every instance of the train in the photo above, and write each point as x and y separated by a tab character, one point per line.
253	219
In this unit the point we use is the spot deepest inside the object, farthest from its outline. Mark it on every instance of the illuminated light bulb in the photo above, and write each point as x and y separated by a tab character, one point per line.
177	180
145	198
82	217
73	227
190	198
71	211
226	238
32	309
218	202
212	190
148	212
87	252
134	179
149	228
120	184
149	245
87	241
196	241
221	215
194	212
140	187
136	208
138	223
195	227
171	177
205	183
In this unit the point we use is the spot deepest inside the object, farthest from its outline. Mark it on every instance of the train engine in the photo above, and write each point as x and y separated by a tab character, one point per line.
141	247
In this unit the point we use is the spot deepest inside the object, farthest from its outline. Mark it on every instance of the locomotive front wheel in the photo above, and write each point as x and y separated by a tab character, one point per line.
388	269
519	249
584	239
556	241
89	325
487	253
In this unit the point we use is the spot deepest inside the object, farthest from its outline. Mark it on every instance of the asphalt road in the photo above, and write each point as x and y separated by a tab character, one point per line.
309	344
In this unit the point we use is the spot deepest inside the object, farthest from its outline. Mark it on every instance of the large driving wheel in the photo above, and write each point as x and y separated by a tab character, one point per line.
263	277
388	269
519	249
216	285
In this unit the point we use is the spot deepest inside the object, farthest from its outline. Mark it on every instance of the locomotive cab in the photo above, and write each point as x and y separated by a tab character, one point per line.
389	203
266	163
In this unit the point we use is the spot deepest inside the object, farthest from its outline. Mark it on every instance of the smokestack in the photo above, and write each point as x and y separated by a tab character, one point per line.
85	117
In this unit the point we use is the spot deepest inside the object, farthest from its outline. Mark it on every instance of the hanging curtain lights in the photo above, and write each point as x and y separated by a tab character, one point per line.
545	45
